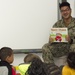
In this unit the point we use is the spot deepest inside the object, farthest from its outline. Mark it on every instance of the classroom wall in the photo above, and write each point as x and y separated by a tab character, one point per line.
28	23
25	24
18	58
72	3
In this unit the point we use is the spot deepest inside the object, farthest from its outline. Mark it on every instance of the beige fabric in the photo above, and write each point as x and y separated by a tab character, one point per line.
60	61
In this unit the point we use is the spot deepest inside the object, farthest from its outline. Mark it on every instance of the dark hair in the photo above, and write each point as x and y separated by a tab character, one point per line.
4	52
36	68
64	4
30	57
71	60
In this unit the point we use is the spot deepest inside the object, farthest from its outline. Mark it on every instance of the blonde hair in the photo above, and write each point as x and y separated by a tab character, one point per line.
28	58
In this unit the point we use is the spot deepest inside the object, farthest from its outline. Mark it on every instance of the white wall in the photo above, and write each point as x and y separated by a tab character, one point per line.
18	58
25	24
72	3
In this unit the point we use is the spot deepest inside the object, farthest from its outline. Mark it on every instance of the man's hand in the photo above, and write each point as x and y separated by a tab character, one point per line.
67	37
51	40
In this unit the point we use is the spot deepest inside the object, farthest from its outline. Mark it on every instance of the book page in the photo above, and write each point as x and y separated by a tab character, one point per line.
59	34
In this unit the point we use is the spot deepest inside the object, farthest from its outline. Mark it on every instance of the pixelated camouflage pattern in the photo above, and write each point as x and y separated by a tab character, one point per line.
59	49
46	54
52	69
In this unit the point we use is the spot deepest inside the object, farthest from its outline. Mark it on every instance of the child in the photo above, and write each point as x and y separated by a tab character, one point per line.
29	57
34	66
37	67
6	56
69	69
27	60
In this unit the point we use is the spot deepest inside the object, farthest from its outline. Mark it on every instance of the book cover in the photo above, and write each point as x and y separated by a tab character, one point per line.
59	34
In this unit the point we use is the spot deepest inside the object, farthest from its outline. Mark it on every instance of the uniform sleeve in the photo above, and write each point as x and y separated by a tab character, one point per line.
55	25
65	71
73	40
58	24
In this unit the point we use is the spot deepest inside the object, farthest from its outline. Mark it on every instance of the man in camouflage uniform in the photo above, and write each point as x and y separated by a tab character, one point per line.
51	51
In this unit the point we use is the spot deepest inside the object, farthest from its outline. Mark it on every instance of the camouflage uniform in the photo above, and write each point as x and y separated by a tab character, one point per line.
52	69
60	49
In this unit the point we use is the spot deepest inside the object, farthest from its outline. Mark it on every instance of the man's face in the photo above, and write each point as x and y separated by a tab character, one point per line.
65	12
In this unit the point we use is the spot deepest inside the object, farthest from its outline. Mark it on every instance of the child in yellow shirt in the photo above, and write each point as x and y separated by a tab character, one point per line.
70	68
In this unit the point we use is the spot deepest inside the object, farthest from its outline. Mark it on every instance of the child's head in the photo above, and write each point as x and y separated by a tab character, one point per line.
71	60
6	54
30	57
28	60
36	68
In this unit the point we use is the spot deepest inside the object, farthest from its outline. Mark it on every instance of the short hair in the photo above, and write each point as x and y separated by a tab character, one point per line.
4	52
71	60
28	58
64	4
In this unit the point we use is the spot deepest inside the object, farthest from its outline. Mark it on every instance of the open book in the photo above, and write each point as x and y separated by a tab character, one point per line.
59	34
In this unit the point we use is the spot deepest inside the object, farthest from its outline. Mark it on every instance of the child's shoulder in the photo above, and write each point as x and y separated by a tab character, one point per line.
66	67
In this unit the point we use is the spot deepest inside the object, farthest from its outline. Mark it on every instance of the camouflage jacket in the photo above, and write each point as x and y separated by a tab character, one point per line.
57	50
52	69
71	27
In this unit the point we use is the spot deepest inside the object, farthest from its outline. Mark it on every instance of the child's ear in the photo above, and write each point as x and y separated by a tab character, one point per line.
7	58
